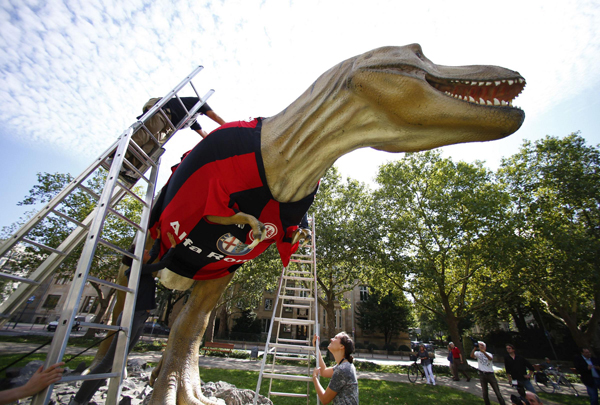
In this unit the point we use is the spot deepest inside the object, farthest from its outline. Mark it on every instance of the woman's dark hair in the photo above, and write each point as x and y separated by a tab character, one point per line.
126	260
348	344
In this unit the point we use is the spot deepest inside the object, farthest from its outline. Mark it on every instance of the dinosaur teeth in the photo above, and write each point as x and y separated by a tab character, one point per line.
510	82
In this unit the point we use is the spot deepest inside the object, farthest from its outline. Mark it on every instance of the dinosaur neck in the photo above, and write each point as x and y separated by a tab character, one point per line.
299	144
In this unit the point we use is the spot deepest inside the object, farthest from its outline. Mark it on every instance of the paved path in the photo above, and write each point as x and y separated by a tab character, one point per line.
473	387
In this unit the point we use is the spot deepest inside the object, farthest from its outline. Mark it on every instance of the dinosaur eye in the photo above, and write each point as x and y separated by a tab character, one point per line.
419	55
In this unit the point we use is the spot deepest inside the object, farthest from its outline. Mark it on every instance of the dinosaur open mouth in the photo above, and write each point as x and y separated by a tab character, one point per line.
499	92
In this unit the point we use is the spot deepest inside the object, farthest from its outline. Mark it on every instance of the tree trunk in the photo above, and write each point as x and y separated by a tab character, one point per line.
104	303
224	316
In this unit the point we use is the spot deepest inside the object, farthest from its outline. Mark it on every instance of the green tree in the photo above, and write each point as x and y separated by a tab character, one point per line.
387	313
342	231
438	222
555	189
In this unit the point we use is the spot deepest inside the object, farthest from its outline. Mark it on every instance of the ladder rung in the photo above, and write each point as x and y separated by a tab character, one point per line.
102	326
103	376
292	321
293	358
291	347
298	341
296	298
68	218
297	289
297	272
288	394
41	246
18	278
297	278
301	261
124	218
110	284
299	255
132	194
296	306
289	377
89	191
118	249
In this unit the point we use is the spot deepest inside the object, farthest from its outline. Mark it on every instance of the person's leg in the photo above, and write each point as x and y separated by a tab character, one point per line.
462	369
427	370
528	385
454	368
484	388
137	327
593	394
496	388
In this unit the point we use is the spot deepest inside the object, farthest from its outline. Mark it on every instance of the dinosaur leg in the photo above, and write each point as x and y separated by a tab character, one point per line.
178	379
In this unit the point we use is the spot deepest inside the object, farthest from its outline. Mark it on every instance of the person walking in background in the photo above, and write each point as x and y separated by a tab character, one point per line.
516	370
457	364
426	363
588	368
486	372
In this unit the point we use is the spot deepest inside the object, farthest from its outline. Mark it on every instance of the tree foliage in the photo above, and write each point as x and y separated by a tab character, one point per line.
342	233
387	313
555	188
438	221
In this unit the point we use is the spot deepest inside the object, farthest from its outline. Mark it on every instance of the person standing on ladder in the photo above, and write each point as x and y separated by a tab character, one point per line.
145	301
160	128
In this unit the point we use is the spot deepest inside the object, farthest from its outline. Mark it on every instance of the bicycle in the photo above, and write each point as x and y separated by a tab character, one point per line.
414	370
550	380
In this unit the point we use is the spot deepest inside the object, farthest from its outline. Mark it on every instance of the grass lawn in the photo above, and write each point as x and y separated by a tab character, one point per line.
370	391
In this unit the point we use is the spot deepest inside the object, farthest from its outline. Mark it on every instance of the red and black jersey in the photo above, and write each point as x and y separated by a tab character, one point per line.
223	175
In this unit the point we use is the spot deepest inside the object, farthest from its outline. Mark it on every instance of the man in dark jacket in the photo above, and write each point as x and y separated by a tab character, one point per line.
588	368
516	370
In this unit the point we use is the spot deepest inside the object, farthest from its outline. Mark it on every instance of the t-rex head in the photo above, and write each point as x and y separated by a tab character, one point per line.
434	105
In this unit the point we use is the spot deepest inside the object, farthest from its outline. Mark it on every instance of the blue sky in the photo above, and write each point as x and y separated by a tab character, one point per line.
74	74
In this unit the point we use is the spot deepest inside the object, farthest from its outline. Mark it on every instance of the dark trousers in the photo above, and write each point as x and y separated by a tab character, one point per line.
89	387
490	378
592	391
458	368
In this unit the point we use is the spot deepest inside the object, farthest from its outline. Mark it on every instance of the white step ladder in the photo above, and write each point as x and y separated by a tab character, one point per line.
90	230
297	291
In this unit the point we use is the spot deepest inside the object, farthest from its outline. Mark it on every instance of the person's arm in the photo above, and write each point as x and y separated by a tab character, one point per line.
215	117
508	370
326	396
530	367
325	371
38	381
201	132
165	260
473	354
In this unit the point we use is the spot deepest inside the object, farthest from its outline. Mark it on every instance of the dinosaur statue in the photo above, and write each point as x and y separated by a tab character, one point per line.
392	99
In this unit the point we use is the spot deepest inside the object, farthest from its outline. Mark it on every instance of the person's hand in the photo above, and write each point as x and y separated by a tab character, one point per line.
43	378
316	373
171	239
315	340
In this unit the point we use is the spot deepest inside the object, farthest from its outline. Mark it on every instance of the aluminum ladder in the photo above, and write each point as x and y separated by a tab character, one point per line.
297	291
90	231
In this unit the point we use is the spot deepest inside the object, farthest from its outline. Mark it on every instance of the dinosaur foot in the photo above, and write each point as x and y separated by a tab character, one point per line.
177	392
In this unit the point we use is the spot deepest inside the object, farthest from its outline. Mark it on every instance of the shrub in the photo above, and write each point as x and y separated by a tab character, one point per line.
372	346
359	346
404	348
390	347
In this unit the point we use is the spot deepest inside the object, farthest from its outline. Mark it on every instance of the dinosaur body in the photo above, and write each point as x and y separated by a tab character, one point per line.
392	99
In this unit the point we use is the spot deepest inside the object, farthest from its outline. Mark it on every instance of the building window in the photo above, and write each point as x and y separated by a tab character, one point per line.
51	301
90	304
268	304
62	280
288	309
304	294
324	318
338	319
364	293
287	328
265	323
